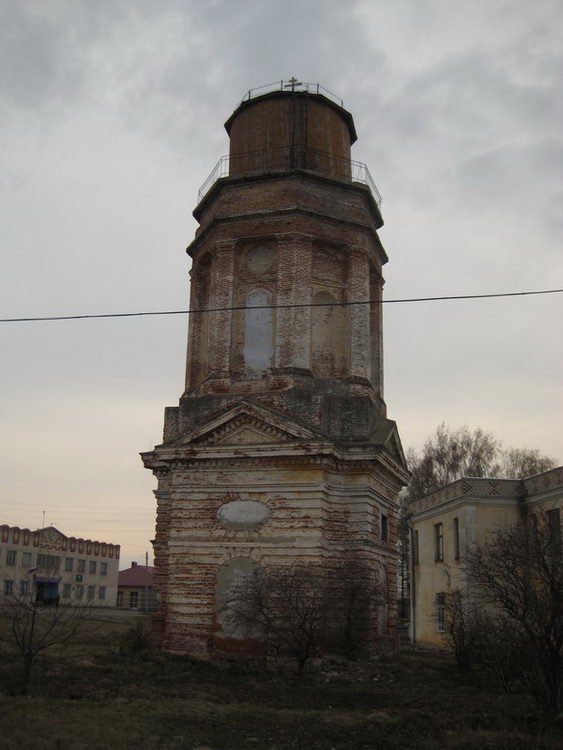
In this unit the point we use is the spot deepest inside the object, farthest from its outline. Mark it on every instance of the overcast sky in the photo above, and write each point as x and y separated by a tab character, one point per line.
111	116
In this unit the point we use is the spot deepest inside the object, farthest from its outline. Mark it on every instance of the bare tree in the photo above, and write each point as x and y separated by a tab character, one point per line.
487	638
465	626
304	611
518	463
283	606
518	576
450	454
355	598
33	627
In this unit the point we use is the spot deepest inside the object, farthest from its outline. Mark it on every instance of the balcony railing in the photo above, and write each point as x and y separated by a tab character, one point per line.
286	159
292	85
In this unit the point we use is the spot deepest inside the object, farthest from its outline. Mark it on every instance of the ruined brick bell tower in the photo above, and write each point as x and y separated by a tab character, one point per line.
280	450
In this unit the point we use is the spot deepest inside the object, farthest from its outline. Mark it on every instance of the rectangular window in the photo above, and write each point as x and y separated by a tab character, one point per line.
49	562
384	528
79	592
415	547
8	587
456	538
553	523
66	591
81	566
91	592
92	567
120	598
26	559
441	612
24	588
11	557
103	569
101	592
133	599
438	542
69	563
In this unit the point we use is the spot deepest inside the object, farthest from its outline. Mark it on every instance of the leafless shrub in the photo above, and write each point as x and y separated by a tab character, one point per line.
33	628
518	578
304	611
465	628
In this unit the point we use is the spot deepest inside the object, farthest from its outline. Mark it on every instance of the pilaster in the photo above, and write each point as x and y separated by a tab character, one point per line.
359	315
219	325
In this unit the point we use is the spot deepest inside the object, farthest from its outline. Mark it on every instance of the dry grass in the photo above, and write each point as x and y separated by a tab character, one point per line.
99	694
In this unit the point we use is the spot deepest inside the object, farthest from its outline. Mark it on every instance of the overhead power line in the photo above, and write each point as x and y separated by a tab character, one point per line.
280	307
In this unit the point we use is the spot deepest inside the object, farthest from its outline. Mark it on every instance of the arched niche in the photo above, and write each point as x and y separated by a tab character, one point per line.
328	336
258	350
236	582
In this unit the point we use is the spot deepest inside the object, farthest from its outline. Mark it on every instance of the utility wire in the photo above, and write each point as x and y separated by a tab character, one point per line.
281	307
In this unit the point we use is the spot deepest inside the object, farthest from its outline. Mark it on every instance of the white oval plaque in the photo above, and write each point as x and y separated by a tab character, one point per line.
243	514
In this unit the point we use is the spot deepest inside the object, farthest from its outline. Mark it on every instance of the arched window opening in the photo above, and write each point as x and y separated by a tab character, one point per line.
328	352
258	333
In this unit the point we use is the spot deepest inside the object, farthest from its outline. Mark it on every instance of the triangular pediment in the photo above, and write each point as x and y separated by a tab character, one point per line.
248	434
51	534
393	445
387	434
248	424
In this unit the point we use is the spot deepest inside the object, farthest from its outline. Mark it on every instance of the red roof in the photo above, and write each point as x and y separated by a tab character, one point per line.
138	575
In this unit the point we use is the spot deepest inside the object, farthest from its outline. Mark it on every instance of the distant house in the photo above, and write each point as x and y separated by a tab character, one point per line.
466	512
49	567
135	589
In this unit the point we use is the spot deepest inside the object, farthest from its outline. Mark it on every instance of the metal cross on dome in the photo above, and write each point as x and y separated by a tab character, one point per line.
292	83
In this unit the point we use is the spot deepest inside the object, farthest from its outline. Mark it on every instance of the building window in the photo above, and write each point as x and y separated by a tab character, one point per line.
49	562
81	566
66	591
79	592
69	563
26	559
415	547
441	612
133	599
258	349
438	542
91	592
11	556
103	569
456	538
8	587
553	523
92	567
120	598
384	528
24	588
101	592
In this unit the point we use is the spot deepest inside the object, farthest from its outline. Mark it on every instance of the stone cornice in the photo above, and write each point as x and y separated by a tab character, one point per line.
489	490
456	504
470	488
163	461
294	208
545	484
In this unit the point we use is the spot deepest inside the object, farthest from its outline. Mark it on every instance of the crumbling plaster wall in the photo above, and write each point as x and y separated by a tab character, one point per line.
310	515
